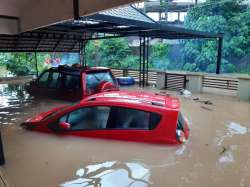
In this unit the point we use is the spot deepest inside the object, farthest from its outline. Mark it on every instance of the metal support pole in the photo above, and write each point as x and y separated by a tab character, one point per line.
147	61
80	52
36	65
140	64
219	55
143	61
76	9
84	53
2	159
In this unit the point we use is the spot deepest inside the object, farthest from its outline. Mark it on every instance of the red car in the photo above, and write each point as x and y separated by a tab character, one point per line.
72	83
121	115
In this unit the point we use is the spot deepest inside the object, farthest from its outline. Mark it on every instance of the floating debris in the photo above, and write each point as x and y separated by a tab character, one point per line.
208	102
185	93
236	128
226	157
223	150
206	108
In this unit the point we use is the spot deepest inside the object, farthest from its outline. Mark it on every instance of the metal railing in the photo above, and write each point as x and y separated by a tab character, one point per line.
225	83
152	75
175	81
178	81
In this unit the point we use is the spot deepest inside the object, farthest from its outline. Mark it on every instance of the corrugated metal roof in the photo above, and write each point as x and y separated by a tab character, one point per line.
69	36
128	12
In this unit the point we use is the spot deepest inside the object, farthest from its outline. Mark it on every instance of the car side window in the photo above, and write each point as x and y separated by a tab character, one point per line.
126	118
54	80
88	118
43	80
72	82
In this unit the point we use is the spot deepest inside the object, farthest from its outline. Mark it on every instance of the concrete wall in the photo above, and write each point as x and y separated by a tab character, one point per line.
194	82
244	88
8	26
39	13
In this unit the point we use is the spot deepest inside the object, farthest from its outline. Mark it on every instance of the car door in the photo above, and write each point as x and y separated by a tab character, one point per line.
90	121
111	122
132	124
71	87
41	85
54	83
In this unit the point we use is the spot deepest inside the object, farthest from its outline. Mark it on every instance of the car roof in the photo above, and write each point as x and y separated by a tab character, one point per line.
139	98
77	69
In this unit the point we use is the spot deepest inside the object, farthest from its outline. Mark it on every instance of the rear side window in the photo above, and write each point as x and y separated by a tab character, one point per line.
125	118
71	81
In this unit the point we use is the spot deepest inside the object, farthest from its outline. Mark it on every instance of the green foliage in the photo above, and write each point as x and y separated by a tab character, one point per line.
117	53
214	16
113	52
158	58
22	63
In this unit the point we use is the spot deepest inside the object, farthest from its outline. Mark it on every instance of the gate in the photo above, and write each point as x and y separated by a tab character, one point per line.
175	82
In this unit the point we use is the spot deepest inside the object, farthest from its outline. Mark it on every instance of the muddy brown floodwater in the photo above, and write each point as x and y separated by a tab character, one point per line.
217	153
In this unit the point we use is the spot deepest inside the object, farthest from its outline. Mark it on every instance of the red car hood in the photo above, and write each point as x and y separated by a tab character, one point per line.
42	115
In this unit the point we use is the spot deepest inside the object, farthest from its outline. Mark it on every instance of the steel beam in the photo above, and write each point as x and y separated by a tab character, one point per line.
76	9
219	55
140	60
37	73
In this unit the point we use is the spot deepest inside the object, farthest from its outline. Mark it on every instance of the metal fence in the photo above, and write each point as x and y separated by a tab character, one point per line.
152	75
178	81
225	83
175	81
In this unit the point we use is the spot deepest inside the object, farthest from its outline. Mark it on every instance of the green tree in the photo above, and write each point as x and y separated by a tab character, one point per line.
23	63
114	52
228	17
159	56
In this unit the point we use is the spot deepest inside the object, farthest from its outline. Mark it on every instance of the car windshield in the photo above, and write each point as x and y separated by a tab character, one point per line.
95	78
59	110
180	122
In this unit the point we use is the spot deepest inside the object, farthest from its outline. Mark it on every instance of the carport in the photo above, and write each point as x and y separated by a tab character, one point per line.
72	35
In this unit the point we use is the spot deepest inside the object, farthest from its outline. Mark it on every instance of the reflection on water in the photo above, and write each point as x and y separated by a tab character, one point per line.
111	174
12	100
232	129
13	95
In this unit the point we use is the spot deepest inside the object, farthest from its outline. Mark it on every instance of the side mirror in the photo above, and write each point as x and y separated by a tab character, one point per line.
106	86
64	125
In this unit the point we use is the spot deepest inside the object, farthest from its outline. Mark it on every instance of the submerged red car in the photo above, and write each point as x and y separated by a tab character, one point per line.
72	82
121	115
